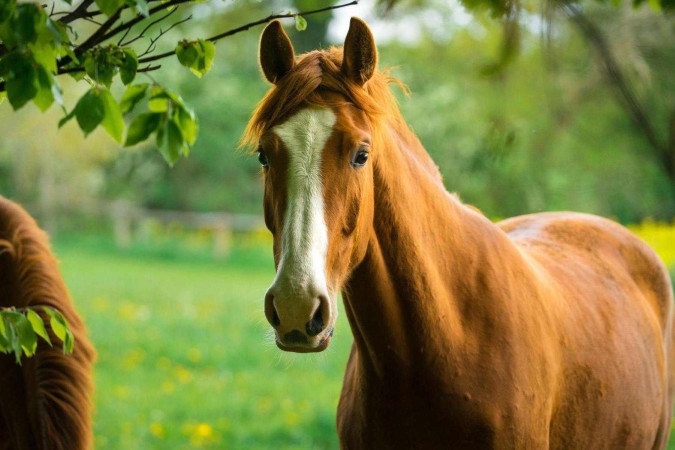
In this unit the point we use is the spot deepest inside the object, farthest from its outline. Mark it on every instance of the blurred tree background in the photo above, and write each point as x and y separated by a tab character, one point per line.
519	117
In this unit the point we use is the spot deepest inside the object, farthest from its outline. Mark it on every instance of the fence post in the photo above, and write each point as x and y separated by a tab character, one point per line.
222	241
122	223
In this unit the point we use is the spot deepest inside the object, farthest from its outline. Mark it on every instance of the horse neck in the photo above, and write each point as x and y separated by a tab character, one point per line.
407	300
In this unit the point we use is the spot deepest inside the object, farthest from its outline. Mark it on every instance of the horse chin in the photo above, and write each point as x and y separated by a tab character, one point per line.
323	345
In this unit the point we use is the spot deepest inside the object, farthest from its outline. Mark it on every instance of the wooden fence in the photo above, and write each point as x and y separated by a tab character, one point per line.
129	221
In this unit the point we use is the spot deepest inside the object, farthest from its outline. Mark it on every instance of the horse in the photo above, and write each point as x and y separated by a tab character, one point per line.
45	402
550	330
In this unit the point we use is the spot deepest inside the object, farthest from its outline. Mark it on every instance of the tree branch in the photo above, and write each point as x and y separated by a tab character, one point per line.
151	46
99	34
250	25
636	111
143	31
139	18
77	13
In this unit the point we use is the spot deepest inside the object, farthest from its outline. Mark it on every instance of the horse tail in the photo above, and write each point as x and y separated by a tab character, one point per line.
45	403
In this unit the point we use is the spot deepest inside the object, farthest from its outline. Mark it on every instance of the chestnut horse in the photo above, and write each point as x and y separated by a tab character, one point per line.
44	402
549	330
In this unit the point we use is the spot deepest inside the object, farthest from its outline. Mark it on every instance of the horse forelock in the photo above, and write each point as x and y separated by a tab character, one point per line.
314	74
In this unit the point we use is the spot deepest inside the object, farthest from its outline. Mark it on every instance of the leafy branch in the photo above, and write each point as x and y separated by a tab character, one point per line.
21	327
250	25
663	148
99	38
36	46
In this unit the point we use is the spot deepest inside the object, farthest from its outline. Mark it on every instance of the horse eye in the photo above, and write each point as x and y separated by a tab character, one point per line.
262	158
360	157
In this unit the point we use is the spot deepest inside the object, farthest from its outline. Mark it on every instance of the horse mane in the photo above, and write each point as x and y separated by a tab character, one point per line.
44	403
317	72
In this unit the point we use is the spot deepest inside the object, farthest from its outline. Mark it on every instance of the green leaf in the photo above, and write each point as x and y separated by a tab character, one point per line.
170	142
27	336
209	52
196	55
142	8
5	346
66	119
58	323
7	8
159	102
27	19
300	23
45	95
57	94
69	343
77	76
187	53
187	122
112	118
100	66
38	325
109	7
89	65
20	76
56	32
142	127
12	336
44	55
129	66
90	111
134	94
47	46
67	46
21	335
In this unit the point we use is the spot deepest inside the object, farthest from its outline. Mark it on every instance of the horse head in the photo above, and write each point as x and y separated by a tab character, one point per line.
313	133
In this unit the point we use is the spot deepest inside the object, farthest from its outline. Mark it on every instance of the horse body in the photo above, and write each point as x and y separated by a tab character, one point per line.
536	333
550	330
45	402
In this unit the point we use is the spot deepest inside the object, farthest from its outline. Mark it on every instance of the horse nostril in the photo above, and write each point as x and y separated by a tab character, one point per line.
271	311
275	317
315	325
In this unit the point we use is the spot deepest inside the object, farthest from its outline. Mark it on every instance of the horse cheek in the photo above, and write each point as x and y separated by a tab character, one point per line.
274	210
361	213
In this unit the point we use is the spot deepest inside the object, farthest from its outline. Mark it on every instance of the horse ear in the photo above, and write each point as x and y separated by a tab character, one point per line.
277	56
360	54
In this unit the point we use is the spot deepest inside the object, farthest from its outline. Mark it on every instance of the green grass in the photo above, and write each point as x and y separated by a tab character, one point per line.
184	354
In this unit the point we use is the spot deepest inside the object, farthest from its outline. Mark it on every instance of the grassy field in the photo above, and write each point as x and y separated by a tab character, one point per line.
184	356
185	360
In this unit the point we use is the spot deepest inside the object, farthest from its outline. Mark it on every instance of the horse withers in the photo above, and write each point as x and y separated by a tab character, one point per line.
550	330
45	403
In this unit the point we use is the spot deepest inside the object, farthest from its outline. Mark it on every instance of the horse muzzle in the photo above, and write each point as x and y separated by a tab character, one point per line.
295	341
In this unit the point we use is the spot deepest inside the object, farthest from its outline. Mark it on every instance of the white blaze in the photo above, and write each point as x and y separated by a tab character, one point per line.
304	240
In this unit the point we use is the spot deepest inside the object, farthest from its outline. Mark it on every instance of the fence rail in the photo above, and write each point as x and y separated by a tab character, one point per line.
129	219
